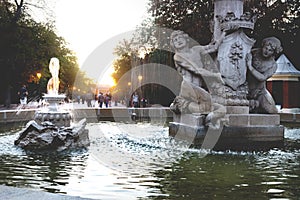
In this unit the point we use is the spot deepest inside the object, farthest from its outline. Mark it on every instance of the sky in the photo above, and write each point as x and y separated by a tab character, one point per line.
88	24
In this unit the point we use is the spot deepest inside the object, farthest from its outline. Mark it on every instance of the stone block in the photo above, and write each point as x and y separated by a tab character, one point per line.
253	120
189	119
238	120
286	117
21	115
264	120
3	115
237	109
297	116
231	137
185	132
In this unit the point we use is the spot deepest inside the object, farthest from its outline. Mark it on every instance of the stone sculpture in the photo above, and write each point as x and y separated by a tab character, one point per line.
261	65
195	95
51	128
215	102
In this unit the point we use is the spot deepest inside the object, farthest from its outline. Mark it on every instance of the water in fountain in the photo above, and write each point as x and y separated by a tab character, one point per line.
147	163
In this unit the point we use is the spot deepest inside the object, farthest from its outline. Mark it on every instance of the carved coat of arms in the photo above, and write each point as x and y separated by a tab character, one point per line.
231	57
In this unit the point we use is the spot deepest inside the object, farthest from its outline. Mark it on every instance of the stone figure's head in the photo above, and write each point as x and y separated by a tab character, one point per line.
271	46
54	64
179	40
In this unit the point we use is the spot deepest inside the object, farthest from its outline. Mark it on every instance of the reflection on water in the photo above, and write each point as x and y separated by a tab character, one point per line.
127	161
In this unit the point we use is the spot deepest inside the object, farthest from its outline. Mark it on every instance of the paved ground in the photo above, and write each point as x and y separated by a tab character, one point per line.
13	193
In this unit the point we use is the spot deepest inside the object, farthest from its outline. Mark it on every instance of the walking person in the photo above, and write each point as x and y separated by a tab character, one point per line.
89	98
100	99
107	100
23	93
144	102
135	100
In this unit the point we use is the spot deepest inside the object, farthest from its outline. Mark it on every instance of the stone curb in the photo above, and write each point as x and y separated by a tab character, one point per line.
13	193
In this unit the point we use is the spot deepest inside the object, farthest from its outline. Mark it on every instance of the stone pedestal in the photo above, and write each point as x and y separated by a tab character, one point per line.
60	119
53	113
239	131
51	129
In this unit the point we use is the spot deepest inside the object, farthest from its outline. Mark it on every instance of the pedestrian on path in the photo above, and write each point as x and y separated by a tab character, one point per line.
23	93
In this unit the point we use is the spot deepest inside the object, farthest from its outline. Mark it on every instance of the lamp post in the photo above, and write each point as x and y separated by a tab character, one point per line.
38	75
140	78
128	101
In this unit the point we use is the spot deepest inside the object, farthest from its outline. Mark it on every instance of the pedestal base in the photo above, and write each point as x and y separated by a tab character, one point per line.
58	118
241	132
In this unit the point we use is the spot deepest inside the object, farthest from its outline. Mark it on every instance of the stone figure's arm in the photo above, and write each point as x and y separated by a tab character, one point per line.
178	67
212	47
205	72
253	71
270	71
178	63
260	76
182	63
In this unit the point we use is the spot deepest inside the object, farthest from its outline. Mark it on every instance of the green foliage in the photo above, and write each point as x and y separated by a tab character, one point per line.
160	56
26	48
190	16
123	64
280	19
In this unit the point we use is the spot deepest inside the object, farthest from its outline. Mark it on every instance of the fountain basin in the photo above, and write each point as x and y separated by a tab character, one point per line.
239	132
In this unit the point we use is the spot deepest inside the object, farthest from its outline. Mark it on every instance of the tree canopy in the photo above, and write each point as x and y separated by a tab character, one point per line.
279	18
276	18
26	46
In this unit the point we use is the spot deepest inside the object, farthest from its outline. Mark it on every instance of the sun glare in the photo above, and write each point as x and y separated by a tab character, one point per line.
106	79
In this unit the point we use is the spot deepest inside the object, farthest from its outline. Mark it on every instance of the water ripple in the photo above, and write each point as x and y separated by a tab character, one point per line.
128	161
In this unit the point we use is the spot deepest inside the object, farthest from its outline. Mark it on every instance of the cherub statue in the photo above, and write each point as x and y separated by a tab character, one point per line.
261	66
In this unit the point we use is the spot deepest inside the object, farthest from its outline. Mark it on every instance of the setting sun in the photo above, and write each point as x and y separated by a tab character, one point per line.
106	79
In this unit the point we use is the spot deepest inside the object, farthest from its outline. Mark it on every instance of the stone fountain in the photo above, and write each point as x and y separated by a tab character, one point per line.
226	104
52	127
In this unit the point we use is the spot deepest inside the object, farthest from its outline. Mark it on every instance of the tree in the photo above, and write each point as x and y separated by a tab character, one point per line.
128	57
277	18
26	47
190	16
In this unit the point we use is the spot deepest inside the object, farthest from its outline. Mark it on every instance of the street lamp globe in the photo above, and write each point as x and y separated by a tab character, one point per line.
140	77
39	75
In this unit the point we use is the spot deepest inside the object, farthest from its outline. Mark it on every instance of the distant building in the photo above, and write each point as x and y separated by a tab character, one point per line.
284	85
